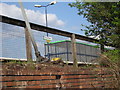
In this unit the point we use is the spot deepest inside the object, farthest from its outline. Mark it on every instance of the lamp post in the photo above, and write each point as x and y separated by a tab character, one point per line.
39	6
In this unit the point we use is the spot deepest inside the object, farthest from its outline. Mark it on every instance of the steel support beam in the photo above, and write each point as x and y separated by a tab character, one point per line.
37	27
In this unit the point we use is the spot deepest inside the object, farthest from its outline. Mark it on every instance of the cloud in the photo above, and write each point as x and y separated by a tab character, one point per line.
33	16
12	33
53	18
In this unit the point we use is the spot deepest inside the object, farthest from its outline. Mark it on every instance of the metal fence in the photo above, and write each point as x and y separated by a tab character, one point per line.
14	44
85	52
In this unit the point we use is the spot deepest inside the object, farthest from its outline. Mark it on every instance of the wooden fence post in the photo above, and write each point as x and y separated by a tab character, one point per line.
28	46
102	48
74	52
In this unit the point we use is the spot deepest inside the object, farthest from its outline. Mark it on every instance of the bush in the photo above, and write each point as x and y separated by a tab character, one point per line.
111	60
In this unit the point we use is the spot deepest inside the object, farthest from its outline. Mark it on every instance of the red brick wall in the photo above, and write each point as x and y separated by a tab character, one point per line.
36	79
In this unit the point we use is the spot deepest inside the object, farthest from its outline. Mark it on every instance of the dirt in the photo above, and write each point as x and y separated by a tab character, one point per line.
42	67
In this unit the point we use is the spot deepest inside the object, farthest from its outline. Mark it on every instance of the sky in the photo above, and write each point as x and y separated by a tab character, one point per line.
60	16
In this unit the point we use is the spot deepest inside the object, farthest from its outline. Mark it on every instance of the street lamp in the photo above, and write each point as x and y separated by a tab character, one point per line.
51	3
39	6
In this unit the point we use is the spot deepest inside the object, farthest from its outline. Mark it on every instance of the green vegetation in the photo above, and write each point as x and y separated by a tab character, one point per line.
21	64
113	55
104	18
111	59
105	23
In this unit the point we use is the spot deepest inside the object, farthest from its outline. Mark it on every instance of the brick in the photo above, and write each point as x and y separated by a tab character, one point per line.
84	83
8	84
24	78
77	87
87	86
31	82
79	83
43	77
18	83
78	76
73	80
37	86
37	82
66	85
20	78
49	81
7	78
98	85
107	76
24	82
74	84
73	76
48	86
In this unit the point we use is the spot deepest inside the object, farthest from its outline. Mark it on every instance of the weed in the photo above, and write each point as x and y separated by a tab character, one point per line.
111	60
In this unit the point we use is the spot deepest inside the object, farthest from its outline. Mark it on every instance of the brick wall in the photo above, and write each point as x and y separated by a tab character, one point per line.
73	79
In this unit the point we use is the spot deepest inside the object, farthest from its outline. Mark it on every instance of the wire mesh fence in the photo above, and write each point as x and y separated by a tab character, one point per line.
13	41
14	45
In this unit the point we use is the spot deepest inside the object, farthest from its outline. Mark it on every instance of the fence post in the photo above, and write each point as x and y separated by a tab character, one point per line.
102	48
28	46
74	52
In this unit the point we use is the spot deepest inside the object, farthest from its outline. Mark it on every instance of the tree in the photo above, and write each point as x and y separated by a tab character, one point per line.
104	18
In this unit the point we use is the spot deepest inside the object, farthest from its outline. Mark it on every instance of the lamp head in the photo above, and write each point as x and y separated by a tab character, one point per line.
52	3
37	5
